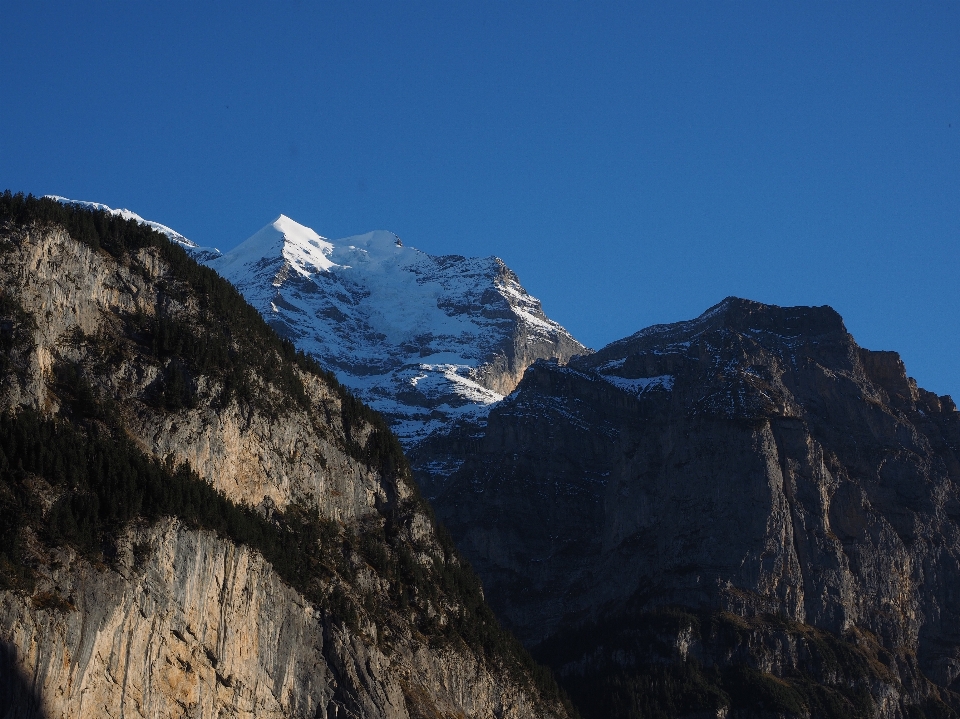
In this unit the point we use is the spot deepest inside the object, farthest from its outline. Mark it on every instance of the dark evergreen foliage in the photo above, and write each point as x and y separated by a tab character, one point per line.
230	341
16	326
649	680
103	480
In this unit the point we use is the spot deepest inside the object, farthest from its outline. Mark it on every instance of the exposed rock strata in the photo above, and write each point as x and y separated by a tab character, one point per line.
183	622
754	461
202	627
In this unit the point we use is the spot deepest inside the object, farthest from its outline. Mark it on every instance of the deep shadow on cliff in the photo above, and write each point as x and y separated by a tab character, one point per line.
790	496
18	699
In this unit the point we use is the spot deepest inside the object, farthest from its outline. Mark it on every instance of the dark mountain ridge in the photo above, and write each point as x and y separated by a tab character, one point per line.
721	505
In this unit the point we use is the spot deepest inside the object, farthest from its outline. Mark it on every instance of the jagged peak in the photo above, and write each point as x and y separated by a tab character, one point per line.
739	314
302	248
293	230
308	252
428	339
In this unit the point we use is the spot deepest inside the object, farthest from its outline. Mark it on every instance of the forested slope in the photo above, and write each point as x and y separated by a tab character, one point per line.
196	518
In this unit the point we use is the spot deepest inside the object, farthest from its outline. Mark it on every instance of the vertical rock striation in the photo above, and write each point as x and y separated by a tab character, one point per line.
113	343
735	490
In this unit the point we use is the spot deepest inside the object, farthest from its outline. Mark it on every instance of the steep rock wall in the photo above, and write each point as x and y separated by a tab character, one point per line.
178	621
200	627
80	297
754	461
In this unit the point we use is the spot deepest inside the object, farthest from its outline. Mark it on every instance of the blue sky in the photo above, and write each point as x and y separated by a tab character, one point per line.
634	163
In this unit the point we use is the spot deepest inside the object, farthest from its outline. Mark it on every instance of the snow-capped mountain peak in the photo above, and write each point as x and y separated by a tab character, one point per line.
304	251
426	340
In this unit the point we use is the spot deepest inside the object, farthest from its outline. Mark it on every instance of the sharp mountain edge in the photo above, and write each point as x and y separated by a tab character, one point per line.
745	513
742	514
196	520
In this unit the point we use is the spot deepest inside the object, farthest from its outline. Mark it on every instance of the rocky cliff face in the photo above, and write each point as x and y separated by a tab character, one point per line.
201	627
749	492
113	341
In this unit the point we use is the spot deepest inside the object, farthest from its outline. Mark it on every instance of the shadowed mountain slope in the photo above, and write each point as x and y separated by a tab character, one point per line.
744	505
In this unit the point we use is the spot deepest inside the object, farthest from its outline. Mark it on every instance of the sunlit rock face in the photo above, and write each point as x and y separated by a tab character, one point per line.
754	461
163	618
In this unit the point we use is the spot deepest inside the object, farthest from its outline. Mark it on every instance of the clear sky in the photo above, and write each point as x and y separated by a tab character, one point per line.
634	163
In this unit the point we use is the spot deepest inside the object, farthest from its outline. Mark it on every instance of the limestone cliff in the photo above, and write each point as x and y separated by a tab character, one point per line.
320	590
744	512
201	627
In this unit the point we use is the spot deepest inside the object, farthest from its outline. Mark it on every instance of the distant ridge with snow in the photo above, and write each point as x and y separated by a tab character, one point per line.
200	253
426	340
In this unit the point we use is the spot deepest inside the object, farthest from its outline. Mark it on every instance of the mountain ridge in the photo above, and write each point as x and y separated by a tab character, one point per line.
742	514
737	491
424	340
734	313
197	520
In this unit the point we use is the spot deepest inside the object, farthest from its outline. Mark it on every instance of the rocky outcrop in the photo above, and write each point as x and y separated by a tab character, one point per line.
198	626
168	618
754	464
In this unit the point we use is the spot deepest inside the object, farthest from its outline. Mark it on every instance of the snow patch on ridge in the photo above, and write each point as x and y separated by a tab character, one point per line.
172	234
639	385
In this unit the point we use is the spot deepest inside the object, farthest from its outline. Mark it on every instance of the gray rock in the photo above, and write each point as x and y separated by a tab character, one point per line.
754	462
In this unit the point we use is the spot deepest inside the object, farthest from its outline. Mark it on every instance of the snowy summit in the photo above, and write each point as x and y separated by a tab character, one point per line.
427	341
